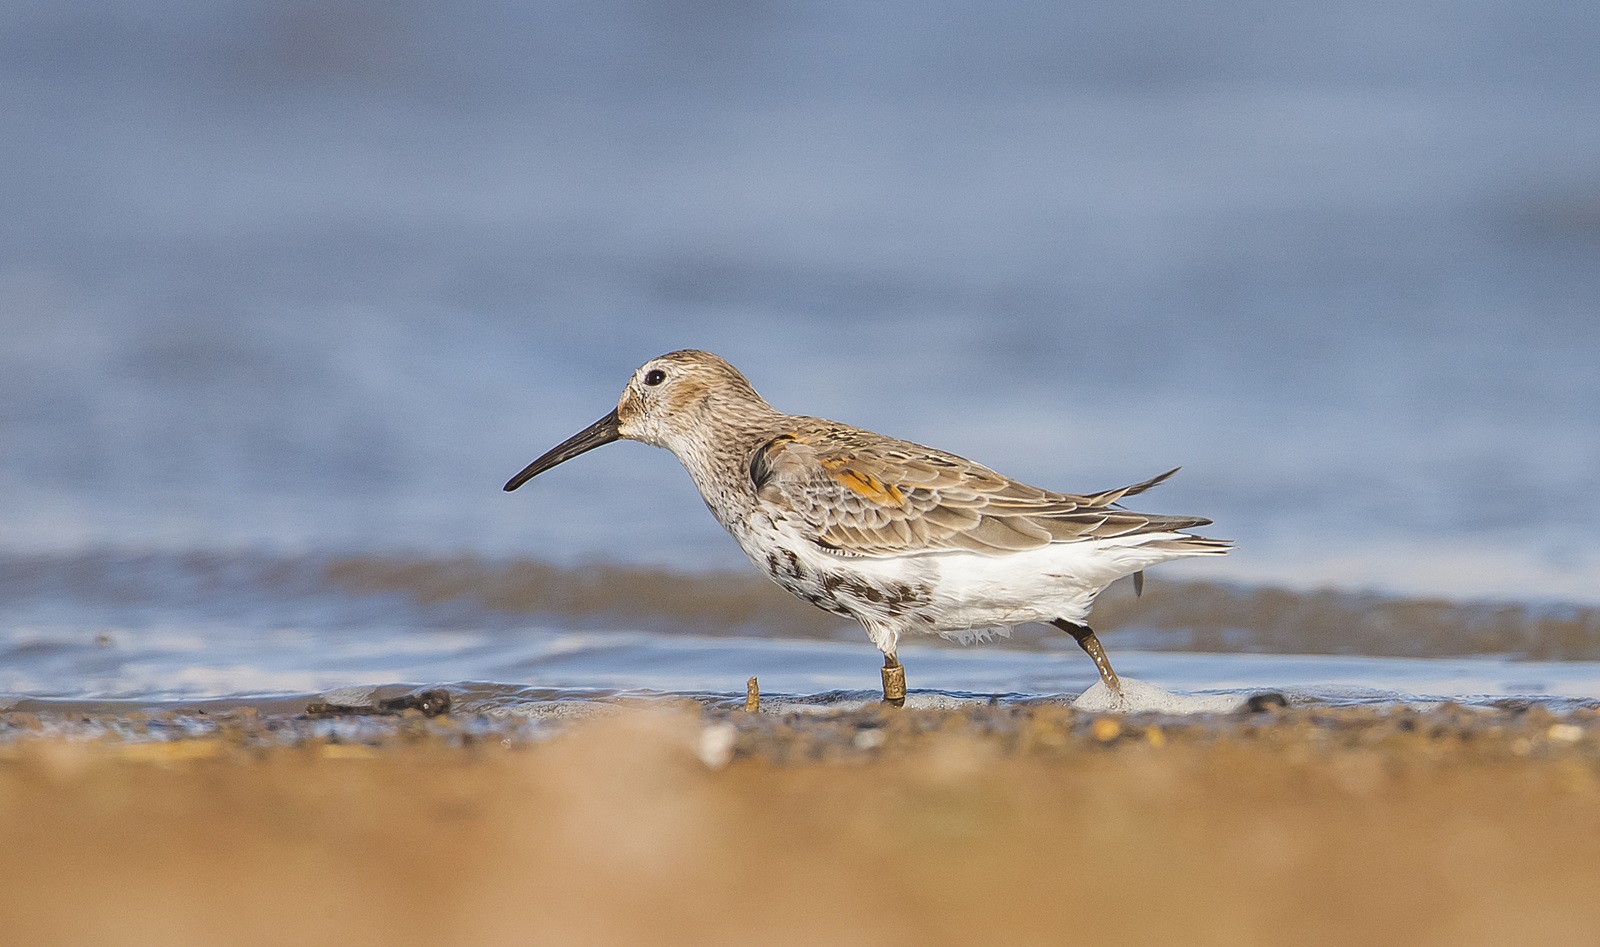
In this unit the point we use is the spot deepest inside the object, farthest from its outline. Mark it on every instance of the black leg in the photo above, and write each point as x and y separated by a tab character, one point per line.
1091	646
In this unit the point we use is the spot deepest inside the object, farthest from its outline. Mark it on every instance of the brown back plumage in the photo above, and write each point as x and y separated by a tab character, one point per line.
869	495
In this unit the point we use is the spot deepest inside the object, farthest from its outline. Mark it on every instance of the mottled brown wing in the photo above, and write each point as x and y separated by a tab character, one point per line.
867	495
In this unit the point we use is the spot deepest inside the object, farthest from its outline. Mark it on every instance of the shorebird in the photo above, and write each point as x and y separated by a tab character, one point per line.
905	539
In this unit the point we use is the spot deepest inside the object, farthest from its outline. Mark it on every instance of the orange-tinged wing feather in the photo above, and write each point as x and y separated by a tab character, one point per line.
864	494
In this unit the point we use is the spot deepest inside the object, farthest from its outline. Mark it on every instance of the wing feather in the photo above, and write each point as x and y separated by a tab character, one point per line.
863	494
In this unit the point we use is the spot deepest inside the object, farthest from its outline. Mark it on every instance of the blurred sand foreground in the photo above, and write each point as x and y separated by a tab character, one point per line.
997	825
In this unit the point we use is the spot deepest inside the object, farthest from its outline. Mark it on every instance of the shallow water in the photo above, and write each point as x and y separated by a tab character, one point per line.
580	673
519	638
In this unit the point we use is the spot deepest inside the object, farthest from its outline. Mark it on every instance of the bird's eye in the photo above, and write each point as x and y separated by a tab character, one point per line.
654	376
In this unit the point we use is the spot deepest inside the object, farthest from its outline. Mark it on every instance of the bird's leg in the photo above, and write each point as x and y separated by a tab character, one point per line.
1091	646
894	681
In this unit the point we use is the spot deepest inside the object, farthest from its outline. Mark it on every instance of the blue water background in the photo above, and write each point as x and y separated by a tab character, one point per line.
312	277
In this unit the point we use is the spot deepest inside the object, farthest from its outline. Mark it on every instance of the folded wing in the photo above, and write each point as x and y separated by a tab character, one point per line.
866	495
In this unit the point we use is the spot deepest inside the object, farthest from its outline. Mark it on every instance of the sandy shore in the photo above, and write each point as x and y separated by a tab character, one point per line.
678	825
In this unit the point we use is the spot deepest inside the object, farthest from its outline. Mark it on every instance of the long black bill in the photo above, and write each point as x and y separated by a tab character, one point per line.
603	431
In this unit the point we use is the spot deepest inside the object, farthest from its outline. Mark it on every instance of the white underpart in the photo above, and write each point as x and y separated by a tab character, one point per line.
1060	580
974	596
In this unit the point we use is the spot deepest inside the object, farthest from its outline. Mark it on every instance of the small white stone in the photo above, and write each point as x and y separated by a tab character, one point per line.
715	746
869	739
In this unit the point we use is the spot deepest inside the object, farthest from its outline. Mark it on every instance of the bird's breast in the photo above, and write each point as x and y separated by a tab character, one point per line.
871	591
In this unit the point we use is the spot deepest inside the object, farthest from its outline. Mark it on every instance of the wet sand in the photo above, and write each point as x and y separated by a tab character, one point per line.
679	824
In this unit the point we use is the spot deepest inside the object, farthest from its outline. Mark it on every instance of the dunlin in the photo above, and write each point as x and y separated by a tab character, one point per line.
902	538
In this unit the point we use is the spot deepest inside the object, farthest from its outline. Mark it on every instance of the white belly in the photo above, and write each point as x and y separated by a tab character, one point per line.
1056	581
959	594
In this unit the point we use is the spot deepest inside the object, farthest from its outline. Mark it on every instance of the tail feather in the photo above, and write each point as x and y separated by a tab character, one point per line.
1110	497
1192	545
1159	523
1183	544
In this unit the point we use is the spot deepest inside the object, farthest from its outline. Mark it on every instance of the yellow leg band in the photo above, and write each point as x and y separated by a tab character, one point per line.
894	684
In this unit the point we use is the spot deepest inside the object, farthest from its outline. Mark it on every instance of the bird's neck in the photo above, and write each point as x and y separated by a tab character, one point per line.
716	453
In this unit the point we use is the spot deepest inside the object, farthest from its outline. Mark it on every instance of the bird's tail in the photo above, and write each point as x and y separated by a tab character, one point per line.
1185	545
1109	497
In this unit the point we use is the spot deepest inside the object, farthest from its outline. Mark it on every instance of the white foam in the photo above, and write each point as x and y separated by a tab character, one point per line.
1142	697
915	700
350	696
937	701
576	709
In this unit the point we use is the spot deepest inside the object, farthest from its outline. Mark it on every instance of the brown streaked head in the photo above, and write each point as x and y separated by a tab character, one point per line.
660	405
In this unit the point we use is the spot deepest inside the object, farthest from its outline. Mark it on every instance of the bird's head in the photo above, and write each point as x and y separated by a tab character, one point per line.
671	401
